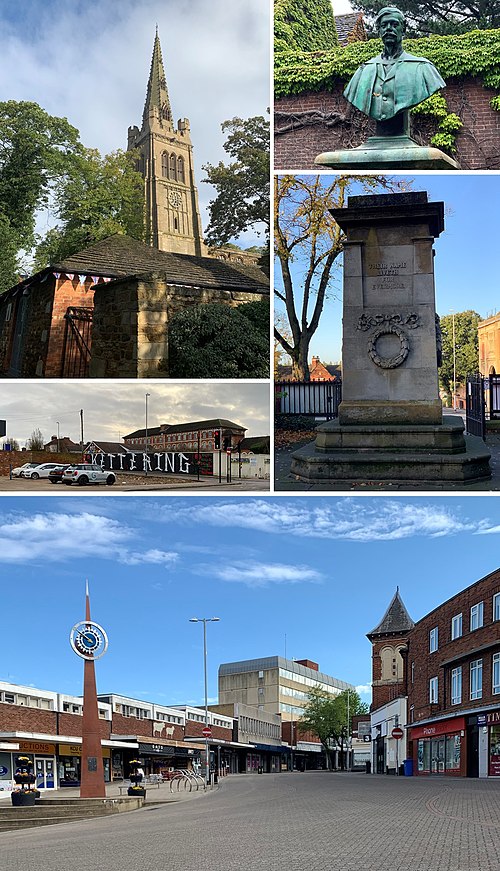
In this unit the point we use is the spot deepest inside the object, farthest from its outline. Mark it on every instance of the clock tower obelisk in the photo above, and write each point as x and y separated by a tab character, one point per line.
166	162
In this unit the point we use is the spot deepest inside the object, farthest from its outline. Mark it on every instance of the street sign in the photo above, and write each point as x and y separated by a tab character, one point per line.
397	733
207	732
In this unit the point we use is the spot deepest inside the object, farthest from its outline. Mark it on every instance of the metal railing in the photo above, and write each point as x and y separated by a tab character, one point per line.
315	398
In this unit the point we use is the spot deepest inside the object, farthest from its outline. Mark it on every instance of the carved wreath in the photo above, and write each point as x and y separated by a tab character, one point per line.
389	362
411	321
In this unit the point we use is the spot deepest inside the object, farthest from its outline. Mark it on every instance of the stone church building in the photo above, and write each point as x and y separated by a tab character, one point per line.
50	324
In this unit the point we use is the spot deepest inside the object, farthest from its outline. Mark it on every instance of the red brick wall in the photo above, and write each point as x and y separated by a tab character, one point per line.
18	718
67	293
390	690
131	726
195	729
71	724
11	459
428	665
298	735
164	735
478	143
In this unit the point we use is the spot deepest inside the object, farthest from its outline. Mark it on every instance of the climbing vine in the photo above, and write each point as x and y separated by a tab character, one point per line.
306	25
473	54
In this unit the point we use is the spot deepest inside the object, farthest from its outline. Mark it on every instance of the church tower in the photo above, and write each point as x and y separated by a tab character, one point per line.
166	163
388	653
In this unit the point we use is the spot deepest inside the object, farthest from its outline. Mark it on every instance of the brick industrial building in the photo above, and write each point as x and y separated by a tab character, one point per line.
440	678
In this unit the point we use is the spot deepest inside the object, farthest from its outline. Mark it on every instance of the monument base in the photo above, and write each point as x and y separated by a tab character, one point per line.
370	412
393	453
387	152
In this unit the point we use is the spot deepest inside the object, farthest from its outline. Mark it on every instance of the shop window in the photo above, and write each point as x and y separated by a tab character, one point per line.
456	626
423	755
456	685
476	616
496	606
433	690
452	752
476	679
433	640
496	674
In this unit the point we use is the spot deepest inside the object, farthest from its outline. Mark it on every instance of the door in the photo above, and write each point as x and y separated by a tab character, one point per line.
437	755
44	770
472	751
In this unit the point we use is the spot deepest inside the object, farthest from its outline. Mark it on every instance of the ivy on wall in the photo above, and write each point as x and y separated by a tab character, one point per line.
475	54
304	25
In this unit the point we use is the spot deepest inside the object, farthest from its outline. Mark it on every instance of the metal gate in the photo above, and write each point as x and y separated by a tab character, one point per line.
475	406
316	398
492	387
77	342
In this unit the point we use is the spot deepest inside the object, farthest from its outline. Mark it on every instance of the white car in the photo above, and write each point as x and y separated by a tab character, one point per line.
87	473
19	471
41	471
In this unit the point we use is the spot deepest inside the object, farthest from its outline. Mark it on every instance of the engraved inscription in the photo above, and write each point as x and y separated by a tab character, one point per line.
388	272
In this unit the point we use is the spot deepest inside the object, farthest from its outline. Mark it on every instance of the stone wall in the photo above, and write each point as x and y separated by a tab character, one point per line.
130	328
313	122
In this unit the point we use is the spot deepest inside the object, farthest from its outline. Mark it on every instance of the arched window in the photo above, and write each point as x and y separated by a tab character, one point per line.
164	164
173	165
180	169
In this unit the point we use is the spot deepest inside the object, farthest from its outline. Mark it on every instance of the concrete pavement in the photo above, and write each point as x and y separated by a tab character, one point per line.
316	821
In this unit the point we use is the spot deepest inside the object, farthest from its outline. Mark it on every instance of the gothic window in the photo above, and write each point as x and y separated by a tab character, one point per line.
164	164
180	169
173	166
392	663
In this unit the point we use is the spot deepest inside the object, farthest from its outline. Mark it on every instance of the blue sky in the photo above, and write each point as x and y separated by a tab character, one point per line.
467	257
319	570
89	61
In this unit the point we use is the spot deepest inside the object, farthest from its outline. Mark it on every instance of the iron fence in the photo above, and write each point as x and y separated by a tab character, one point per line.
314	398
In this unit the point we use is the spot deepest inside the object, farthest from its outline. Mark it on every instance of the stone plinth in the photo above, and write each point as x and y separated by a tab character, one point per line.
390	424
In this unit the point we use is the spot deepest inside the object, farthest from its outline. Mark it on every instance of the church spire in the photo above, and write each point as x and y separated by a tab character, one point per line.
157	95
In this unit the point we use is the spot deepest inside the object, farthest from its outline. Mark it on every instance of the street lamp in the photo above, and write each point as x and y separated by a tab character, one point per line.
205	620
146	444
454	359
57	424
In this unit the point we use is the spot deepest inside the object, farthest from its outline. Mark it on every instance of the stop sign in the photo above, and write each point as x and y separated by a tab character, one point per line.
397	733
207	732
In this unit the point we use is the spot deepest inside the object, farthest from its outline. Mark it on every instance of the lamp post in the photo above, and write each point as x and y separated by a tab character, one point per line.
454	359
57	424
146	439
205	620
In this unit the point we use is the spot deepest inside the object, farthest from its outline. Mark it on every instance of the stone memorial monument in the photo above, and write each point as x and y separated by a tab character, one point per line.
385	88
390	424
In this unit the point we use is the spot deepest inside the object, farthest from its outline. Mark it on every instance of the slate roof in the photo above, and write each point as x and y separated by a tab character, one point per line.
191	426
395	620
120	256
108	447
345	24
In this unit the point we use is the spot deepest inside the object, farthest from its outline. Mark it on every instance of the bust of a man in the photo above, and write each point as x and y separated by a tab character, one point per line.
393	81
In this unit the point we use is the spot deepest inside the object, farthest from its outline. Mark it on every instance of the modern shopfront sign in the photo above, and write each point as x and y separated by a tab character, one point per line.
165	750
37	747
442	727
76	750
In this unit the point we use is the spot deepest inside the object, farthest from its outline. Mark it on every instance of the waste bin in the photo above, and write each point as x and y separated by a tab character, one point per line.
408	767
368	767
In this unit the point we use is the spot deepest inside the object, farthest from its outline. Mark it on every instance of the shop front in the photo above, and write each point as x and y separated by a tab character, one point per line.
69	763
42	756
489	725
440	748
163	758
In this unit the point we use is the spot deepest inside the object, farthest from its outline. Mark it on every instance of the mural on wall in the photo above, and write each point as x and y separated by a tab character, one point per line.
174	462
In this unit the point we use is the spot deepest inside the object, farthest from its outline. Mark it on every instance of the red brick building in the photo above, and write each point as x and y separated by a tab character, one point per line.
190	436
447	667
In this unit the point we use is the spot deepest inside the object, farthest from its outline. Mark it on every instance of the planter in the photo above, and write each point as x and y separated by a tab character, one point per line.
136	792
23	799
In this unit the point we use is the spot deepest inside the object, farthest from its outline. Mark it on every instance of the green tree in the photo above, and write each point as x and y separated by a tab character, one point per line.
35	149
330	718
308	244
35	441
9	259
425	17
216	341
99	197
304	25
242	200
466	347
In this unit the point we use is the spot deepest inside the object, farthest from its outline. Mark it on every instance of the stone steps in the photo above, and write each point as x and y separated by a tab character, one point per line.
48	812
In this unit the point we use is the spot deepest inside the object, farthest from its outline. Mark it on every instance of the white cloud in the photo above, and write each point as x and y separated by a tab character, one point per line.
59	537
364	689
346	519
257	574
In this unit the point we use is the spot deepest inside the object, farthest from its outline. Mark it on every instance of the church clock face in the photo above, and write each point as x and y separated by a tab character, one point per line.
174	199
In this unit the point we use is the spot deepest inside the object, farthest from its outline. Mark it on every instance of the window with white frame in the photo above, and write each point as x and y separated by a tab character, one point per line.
456	685
433	690
476	679
496	674
456	626
433	640
496	606
476	616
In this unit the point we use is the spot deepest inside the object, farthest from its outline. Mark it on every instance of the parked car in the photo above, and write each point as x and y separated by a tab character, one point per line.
55	474
41	471
19	471
87	473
